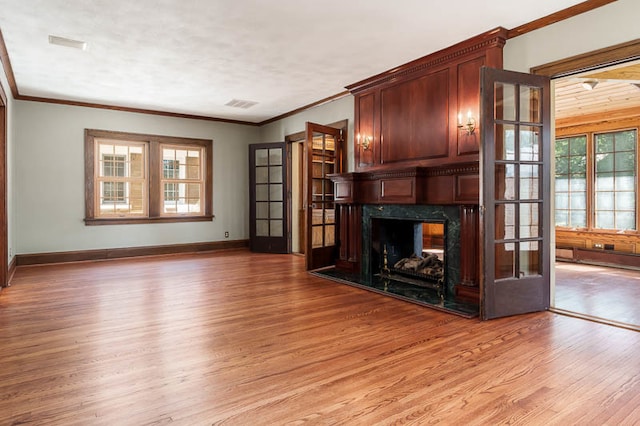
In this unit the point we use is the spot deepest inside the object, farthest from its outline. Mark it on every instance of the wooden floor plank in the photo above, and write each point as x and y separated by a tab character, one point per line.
239	338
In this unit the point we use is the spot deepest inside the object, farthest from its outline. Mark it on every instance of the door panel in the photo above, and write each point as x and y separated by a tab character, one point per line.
268	201
323	155
515	192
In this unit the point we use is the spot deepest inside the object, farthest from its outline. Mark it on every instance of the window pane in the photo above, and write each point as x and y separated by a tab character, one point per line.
624	201
529	220
604	143
262	210
275	156
562	200
562	147
277	229
262	175
604	182
262	157
275	210
262	228
505	101
625	161
529	143
275	192
562	218
530	104
275	174
504	181
625	220
578	200
578	219
529	182
530	259
505	142
329	235
262	192
562	184
605	220
604	163
505	260
505	222
604	200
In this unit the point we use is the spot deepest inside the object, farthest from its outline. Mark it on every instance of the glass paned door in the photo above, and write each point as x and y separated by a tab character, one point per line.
268	230
515	171
323	155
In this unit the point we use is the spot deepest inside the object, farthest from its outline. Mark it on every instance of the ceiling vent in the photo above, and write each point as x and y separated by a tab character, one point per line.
239	103
67	42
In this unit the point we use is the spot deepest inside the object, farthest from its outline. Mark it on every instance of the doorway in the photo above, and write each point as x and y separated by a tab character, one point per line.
297	185
596	152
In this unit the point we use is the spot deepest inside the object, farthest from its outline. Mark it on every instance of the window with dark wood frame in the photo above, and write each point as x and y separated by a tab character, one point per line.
138	178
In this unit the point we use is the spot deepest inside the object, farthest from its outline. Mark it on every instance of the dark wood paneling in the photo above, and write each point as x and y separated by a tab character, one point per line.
439	189
416	106
415	119
467	188
364	117
114	253
402	191
469	102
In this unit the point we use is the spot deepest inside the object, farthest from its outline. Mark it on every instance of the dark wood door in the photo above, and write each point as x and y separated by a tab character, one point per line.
268	201
323	156
515	193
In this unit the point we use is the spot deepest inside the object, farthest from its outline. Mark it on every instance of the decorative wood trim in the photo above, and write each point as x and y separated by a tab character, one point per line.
117	253
592	318
6	64
130	109
139	221
558	16
494	38
12	269
591	60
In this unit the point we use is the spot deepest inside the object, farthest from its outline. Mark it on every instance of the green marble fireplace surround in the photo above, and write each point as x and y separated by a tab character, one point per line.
407	216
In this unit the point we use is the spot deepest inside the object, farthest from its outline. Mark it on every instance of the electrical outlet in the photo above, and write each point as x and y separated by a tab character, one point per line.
226	234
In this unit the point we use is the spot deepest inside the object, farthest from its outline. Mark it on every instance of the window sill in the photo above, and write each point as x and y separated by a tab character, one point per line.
134	220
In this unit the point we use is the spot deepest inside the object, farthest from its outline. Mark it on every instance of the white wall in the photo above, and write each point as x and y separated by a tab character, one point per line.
603	27
49	179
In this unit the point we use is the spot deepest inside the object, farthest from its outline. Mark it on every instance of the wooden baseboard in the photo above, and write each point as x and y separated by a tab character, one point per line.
117	253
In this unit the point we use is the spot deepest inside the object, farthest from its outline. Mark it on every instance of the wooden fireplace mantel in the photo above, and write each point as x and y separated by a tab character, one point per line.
443	185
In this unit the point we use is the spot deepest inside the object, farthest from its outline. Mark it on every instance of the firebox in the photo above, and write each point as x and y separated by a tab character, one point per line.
410	251
414	244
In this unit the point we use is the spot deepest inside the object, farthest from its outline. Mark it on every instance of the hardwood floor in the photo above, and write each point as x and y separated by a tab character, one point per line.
236	338
598	291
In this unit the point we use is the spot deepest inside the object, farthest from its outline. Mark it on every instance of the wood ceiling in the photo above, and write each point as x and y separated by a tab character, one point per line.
617	89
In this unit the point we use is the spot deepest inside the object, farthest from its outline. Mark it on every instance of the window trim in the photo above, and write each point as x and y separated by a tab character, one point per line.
154	166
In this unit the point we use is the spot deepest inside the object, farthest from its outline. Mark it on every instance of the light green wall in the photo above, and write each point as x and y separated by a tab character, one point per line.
49	168
45	148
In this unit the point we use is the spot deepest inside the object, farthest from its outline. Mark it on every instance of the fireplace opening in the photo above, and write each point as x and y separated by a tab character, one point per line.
410	251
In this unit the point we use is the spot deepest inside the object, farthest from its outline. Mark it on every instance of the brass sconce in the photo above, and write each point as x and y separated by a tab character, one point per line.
365	141
469	126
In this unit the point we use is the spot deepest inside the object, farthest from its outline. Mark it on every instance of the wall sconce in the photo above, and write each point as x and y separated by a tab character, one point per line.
589	84
469	126
365	141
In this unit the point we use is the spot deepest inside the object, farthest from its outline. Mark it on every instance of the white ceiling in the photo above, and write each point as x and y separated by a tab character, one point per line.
194	56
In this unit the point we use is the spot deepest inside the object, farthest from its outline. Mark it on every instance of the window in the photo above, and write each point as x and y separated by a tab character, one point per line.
615	180
596	180
133	178
571	182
